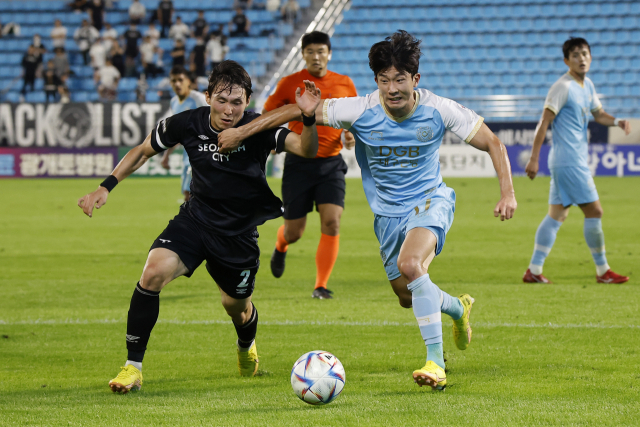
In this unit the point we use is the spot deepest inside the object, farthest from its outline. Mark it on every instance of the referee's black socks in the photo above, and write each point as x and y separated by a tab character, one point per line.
143	315
247	332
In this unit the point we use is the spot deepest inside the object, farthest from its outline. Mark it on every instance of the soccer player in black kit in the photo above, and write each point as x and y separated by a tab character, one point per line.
229	199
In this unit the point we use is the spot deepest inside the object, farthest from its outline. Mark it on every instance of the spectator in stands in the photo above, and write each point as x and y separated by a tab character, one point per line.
179	30
137	11
242	24
116	55
197	58
58	34
147	53
141	88
51	82
63	89
84	37
289	11
242	4
165	15
178	52
95	9
109	35
216	49
272	5
153	32
9	29
98	54
107	79
29	66
61	62
40	50
131	36
200	26
217	32
78	5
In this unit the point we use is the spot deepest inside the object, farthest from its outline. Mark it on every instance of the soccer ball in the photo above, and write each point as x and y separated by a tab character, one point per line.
317	377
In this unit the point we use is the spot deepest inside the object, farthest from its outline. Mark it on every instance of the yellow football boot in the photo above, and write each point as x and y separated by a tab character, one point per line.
248	361
462	327
129	378
431	375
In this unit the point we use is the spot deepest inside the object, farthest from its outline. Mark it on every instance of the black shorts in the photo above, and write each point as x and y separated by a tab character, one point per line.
232	261
305	181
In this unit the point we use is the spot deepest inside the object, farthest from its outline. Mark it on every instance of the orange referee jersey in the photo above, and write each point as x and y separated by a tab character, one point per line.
332	85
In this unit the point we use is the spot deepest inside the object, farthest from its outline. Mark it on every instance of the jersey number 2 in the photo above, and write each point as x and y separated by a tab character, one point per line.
245	274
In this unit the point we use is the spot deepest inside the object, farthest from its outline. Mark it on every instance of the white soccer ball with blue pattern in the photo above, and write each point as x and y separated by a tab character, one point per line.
317	377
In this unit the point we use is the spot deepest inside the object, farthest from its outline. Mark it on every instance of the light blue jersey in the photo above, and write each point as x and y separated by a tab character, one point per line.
572	103
194	100
399	157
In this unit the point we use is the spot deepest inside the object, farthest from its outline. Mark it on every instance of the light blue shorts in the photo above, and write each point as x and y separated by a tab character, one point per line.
572	186
434	212
186	177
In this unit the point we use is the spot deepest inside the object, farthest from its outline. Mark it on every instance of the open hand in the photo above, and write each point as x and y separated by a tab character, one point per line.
506	207
98	198
309	100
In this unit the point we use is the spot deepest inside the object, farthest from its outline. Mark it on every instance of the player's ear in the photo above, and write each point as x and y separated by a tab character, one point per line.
416	79
207	97
566	62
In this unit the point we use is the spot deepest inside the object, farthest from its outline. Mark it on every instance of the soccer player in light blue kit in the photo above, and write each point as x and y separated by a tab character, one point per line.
185	99
567	106
398	132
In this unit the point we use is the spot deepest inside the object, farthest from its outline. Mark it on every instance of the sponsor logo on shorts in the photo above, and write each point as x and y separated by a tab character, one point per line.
132	338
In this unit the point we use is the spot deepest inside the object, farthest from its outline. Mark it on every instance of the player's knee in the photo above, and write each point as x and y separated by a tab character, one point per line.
331	226
154	277
293	235
597	212
410	268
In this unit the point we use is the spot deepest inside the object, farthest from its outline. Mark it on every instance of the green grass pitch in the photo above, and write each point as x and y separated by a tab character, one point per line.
564	354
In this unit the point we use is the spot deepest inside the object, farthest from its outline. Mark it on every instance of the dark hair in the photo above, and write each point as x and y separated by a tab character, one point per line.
227	74
401	51
316	37
179	69
573	43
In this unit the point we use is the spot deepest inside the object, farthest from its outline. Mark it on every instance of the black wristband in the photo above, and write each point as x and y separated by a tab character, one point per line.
308	121
109	183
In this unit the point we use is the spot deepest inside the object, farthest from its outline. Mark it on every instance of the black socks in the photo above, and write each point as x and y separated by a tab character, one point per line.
247	332
143	314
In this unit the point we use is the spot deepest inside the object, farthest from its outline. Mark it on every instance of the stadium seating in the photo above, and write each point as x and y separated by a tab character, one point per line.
476	48
36	17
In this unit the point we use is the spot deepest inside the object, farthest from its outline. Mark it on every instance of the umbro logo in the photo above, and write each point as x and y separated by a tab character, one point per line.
132	338
165	241
377	136
203	137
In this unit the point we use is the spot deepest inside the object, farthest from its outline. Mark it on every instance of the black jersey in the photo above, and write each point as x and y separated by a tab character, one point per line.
229	191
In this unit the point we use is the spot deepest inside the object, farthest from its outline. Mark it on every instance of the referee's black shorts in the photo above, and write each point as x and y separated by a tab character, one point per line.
232	261
309	181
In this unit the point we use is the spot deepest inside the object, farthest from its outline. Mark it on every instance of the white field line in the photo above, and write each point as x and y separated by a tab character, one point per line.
378	323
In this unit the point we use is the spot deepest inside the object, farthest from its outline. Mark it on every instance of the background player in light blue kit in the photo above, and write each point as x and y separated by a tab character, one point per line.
185	99
567	106
398	132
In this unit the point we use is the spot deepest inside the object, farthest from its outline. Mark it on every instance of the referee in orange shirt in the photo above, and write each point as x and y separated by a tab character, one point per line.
319	180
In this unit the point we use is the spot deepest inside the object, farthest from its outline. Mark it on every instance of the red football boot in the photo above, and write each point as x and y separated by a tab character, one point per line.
611	277
529	277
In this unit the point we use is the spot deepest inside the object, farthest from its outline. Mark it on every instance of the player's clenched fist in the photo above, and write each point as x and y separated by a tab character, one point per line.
506	207
98	198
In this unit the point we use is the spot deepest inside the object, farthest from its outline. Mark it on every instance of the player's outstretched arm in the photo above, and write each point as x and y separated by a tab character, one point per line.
306	144
607	119
541	131
230	139
131	162
486	140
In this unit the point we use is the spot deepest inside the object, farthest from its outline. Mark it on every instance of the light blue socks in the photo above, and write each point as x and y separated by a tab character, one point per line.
545	238
427	303
594	236
451	305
